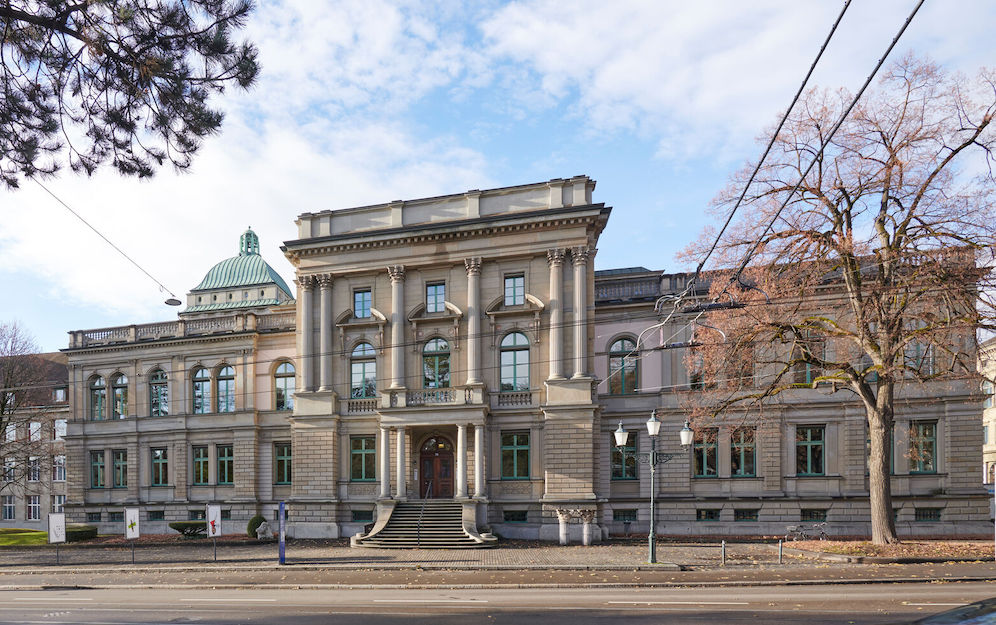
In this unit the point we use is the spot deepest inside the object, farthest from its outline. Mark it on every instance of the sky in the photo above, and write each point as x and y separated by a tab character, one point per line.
368	101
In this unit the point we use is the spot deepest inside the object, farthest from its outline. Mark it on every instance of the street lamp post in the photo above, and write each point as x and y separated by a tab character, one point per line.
652	459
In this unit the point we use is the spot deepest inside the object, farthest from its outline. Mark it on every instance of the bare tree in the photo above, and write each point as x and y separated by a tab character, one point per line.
876	276
26	386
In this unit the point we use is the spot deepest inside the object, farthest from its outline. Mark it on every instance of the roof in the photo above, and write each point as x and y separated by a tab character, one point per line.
230	305
619	272
246	269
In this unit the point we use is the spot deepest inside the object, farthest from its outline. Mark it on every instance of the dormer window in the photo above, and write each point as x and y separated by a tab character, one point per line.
515	290
435	294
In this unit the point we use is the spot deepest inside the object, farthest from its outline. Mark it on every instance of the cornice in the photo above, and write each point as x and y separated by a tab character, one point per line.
199	338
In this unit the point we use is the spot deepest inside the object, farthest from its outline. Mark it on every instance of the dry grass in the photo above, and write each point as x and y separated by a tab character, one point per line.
932	549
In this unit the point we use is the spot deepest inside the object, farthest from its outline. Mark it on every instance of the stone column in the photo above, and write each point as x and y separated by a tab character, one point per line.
397	273
479	461
564	517
587	516
461	462
402	468
325	332
473	266
385	463
307	331
580	257
556	259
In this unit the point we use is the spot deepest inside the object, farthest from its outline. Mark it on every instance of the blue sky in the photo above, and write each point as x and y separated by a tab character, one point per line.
368	101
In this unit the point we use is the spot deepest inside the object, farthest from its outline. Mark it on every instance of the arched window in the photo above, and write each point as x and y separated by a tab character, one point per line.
436	364
363	371
158	394
119	391
202	391
226	389
515	362
98	399
623	367
283	381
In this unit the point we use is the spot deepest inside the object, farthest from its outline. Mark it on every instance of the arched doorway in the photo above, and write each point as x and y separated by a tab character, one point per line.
436	462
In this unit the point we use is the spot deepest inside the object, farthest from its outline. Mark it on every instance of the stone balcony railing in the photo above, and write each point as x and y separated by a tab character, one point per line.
239	322
365	405
627	289
513	399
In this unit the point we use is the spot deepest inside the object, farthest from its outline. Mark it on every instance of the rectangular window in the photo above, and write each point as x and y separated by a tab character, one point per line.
119	462
226	464
201	465
923	446
160	467
624	458
514	516
515	455
9	469
812	515
987	390
59	430
361	303
362	458
115	517
34	508
706	453
985	434
97	469
363	516
10	433
196	515
624	516
745	515
58	468
58	395
282	453
226	515
156	515
435	295
927	515
743	451
707	514
34	469
93	517
515	290
8	508
809	449
34	431
58	503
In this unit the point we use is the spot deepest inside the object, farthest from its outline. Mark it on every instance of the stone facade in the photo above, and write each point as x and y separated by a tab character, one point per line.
460	346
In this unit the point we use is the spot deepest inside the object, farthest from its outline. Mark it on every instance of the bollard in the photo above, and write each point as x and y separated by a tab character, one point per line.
779	551
723	553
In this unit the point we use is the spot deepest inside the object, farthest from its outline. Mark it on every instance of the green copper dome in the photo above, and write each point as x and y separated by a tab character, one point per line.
246	269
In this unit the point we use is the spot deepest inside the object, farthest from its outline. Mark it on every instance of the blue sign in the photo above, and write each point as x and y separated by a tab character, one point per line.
283	529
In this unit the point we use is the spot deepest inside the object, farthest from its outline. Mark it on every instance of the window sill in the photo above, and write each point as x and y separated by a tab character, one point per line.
515	479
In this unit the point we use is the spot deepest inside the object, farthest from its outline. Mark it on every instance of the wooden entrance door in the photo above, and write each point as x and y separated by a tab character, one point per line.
436	463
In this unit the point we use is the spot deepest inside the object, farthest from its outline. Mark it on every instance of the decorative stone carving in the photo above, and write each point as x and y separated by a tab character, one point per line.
555	256
579	254
324	280
473	265
306	281
396	272
263	532
516	488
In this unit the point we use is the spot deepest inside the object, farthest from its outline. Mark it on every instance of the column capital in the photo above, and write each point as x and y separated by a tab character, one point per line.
581	254
556	256
396	272
324	280
307	281
473	265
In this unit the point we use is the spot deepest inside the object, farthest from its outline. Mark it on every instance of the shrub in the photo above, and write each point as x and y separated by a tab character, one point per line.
189	528
254	524
78	531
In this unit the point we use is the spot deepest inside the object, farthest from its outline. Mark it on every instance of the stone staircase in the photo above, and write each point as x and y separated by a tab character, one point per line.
425	524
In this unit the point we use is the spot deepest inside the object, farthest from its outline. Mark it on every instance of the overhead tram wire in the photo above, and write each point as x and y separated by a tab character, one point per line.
171	301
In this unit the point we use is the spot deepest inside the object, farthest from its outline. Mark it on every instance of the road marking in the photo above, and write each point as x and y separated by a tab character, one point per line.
53	599
682	602
234	600
430	601
939	604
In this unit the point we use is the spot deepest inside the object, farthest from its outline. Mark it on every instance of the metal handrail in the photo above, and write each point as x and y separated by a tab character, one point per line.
421	513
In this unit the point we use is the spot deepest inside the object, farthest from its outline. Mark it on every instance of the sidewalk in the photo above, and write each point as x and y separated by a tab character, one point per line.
332	564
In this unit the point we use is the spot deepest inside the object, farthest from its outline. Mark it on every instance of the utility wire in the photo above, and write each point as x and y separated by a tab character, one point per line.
162	287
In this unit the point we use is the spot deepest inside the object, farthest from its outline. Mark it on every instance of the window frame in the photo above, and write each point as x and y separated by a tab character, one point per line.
283	464
741	450
435	297
34	469
436	359
119	468
809	445
283	394
702	450
159	466
628	365
59	468
32	508
58	503
200	456
200	387
516	295
365	361
624	462
98	476
158	394
518	382
362	303
366	455
514	450
224	386
119	396
918	464
225	470
9	506
97	398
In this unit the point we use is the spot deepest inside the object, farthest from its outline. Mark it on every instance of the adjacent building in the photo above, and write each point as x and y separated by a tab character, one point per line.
464	347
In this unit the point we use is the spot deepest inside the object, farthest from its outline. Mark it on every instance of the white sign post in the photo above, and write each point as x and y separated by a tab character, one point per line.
214	526
132	529
56	531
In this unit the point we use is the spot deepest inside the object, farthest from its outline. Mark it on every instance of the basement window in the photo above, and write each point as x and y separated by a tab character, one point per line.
928	515
514	516
363	516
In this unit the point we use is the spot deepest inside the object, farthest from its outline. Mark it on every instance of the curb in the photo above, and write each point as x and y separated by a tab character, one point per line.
442	566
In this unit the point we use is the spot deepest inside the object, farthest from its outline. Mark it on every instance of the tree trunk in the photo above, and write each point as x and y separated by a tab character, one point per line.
880	419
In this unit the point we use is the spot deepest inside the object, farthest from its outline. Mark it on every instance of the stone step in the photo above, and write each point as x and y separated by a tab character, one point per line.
429	524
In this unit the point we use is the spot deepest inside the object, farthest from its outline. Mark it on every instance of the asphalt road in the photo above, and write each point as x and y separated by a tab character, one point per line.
811	605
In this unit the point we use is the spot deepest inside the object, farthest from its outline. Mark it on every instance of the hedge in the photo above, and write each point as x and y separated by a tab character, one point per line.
78	531
254	524
189	528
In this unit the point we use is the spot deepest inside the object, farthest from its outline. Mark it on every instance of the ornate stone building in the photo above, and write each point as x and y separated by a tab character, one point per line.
463	348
